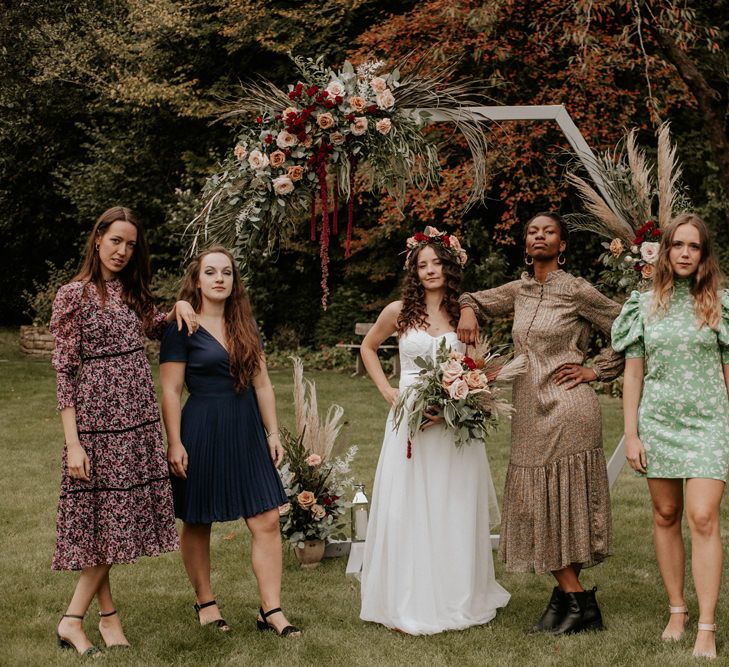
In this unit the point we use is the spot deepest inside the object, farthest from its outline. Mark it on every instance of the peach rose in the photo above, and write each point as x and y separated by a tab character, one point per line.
337	138
308	141
359	127
257	160
283	510
282	185
383	126
475	380
313	460
458	356
616	247
649	251
325	121
378	84
306	499
286	139
240	152
289	110
295	173
647	271
318	512
359	104
277	158
458	390
385	99
451	370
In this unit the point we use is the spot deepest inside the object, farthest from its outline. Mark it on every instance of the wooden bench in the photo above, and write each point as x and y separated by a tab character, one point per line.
361	329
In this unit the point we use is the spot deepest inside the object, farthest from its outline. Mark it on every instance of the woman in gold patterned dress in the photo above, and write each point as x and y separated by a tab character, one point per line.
556	514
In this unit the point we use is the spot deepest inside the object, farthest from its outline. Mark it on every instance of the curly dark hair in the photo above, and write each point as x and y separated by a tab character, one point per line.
413	314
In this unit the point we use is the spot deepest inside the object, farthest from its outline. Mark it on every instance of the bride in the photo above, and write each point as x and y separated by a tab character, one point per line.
428	565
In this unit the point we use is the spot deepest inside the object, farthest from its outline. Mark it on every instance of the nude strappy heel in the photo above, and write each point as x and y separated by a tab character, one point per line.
706	627
670	637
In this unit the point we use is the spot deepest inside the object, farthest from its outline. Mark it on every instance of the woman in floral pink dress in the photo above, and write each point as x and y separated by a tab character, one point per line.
116	503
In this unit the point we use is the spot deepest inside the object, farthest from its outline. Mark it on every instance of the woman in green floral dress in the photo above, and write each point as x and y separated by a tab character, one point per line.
676	343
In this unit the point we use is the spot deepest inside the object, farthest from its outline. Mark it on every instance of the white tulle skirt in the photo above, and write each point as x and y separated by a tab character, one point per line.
428	564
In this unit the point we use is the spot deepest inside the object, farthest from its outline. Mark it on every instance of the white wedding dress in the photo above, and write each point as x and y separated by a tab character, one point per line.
428	564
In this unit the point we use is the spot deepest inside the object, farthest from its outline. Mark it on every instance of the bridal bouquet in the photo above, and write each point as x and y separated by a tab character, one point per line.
463	389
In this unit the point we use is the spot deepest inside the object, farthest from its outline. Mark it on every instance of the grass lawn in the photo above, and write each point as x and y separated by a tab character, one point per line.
155	599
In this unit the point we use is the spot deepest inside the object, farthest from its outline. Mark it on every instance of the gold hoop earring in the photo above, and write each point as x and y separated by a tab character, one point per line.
561	259
528	260
97	247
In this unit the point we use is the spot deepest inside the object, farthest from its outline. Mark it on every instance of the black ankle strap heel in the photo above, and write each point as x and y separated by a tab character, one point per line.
219	623
262	624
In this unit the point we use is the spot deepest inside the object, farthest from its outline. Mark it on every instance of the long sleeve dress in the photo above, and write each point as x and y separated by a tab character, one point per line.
683	419
556	507
125	510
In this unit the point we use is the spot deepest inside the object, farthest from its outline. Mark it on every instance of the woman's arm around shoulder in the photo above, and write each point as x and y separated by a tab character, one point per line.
383	328
495	302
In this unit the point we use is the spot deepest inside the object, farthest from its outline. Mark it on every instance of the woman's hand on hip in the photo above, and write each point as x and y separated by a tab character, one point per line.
77	461
574	374
635	453
177	460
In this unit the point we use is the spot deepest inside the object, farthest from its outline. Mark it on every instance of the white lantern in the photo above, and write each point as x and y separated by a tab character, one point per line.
360	514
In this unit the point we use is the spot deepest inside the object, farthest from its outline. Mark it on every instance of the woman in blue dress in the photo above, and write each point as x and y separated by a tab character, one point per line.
224	446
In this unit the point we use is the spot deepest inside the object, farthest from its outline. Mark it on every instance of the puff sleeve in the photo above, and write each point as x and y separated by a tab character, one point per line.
724	327
495	302
158	325
600	311
174	344
627	332
66	329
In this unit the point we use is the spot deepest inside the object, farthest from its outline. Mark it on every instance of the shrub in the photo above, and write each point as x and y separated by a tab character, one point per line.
40	299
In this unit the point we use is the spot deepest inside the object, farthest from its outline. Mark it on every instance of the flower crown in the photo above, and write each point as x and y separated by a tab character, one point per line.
431	235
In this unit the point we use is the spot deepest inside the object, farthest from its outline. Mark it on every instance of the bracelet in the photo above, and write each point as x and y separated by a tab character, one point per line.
268	435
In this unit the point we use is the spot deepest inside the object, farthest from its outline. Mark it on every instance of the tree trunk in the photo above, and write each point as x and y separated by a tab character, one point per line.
707	98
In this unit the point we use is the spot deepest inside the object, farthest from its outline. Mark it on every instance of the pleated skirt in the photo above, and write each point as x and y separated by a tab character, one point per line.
230	473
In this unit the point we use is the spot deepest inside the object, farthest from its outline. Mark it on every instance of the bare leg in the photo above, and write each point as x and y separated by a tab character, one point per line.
703	498
267	562
195	548
110	626
71	629
667	499
568	579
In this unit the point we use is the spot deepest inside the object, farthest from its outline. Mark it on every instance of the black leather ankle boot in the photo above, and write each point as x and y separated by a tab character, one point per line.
582	614
553	614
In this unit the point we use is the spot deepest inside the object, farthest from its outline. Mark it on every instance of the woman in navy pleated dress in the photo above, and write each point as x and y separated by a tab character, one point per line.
224	446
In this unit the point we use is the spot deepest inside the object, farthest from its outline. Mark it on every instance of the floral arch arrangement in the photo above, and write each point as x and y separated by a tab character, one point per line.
299	149
639	202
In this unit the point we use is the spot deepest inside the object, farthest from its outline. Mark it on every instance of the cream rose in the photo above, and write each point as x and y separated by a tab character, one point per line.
278	158
359	127
378	84
283	510
458	390
385	99
649	251
335	89
647	271
337	138
431	231
616	247
295	173
240	152
383	126
257	160
313	460
325	121
359	104
452	370
458	356
282	185
286	139
306	499
318	512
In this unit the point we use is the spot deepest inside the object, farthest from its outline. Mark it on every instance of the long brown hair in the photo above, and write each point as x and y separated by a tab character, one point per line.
244	346
134	277
413	313
705	283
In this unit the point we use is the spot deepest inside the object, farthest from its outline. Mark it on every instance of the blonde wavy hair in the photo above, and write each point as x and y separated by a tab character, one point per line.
705	283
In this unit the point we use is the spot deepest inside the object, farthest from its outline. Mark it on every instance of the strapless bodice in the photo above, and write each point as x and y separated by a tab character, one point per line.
419	343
